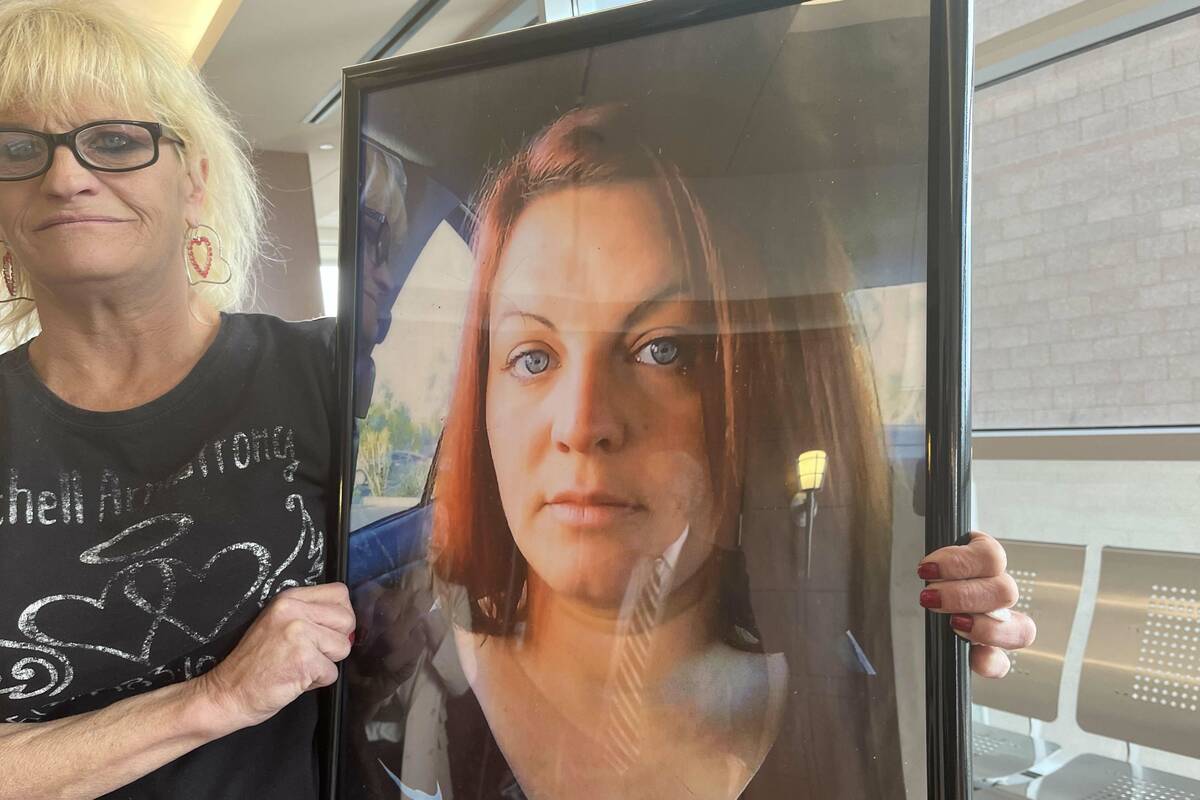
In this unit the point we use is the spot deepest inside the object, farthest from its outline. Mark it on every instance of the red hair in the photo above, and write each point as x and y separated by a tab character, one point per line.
798	358
473	546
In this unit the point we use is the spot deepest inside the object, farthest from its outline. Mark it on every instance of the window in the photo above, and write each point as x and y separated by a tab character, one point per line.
398	438
1086	372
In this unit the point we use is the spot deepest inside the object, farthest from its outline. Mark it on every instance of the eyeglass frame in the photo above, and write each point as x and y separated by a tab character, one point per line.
156	130
381	247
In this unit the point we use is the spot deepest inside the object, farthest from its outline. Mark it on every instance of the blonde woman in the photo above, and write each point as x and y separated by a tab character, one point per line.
163	464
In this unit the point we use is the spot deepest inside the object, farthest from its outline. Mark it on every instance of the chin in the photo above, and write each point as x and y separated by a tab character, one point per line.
604	593
97	263
73	276
591	569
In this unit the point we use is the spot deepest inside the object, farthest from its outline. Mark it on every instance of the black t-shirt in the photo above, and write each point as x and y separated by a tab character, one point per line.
136	547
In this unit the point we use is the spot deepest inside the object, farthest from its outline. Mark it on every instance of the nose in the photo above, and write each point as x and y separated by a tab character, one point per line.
66	177
587	416
380	274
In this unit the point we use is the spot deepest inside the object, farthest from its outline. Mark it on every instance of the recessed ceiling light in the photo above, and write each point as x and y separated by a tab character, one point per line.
324	147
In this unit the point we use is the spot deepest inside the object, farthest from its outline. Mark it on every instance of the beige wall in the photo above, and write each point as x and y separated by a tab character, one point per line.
289	283
994	17
1086	236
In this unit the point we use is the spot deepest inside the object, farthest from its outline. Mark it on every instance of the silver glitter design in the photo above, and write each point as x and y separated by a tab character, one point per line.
28	625
261	555
58	673
241	450
148	579
316	548
97	555
126	583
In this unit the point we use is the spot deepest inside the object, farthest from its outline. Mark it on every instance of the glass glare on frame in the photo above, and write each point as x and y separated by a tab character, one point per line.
547	432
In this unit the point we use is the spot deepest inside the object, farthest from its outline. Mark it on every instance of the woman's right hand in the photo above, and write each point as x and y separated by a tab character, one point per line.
293	646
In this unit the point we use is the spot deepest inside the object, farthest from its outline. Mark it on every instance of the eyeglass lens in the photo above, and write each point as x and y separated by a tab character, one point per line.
111	146
376	234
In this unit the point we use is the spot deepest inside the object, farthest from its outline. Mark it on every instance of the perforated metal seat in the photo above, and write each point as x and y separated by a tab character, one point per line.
1141	671
1091	777
999	793
1002	755
1141	677
1049	577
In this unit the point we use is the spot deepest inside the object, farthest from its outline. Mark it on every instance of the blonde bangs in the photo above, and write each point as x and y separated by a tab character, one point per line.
64	58
58	61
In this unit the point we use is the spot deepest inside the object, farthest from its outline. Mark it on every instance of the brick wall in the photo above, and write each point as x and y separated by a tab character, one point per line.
994	17
1087	238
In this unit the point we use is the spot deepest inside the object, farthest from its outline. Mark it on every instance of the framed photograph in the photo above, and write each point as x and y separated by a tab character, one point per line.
652	356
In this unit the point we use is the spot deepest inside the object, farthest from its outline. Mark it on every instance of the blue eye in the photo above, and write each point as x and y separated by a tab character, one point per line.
22	149
536	362
529	363
111	141
660	351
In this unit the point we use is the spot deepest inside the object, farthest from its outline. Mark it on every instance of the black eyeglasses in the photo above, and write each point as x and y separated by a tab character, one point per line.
375	235
109	145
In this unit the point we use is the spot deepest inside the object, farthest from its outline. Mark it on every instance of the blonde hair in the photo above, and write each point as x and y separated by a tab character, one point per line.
384	187
58	56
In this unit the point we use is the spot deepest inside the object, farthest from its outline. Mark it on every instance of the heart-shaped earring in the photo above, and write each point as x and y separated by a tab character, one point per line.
200	253
206	243
8	269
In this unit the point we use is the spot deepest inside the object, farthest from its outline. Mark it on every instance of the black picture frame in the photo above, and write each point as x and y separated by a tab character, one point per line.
946	474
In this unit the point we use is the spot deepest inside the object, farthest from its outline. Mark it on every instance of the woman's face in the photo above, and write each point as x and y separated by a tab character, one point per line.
72	227
593	414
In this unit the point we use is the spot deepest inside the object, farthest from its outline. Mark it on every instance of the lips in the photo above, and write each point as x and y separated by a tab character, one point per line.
75	219
591	509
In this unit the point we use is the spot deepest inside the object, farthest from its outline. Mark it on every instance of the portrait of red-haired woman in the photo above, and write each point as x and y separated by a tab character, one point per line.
614	597
621	442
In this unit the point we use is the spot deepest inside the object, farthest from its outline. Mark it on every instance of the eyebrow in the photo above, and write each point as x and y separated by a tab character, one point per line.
516	312
643	309
640	312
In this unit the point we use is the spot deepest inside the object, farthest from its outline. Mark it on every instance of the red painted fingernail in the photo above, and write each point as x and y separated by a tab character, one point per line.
931	598
352	637
929	571
962	622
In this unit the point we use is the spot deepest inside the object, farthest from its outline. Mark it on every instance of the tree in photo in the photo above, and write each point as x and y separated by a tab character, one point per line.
375	458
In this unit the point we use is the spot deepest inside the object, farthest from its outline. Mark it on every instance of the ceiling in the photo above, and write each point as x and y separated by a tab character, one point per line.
273	61
195	25
279	58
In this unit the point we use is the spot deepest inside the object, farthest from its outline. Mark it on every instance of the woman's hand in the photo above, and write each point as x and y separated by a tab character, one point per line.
969	583
293	646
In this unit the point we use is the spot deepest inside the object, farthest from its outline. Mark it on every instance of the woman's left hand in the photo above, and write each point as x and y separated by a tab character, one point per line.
969	583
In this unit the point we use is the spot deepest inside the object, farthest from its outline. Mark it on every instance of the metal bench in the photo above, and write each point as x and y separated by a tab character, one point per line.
998	793
1141	677
1049	577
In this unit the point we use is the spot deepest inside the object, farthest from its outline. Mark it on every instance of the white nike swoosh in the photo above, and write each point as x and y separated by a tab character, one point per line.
408	791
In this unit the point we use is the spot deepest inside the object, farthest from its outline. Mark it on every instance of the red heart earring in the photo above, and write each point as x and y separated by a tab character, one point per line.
10	279
207	242
8	268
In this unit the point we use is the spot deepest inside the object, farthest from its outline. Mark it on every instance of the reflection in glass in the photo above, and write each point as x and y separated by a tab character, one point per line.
603	589
810	474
